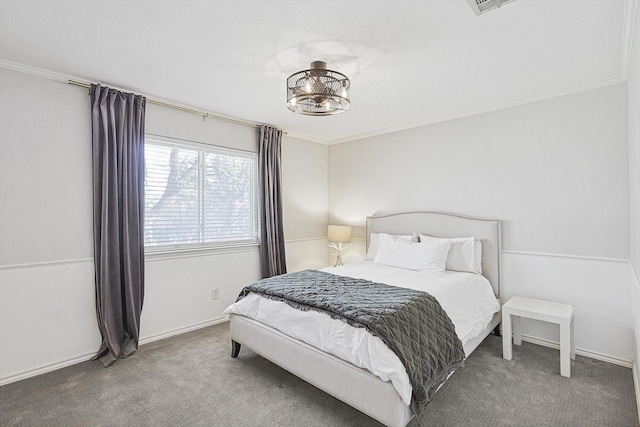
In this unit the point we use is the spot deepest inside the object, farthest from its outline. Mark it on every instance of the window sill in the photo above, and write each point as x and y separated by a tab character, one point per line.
192	252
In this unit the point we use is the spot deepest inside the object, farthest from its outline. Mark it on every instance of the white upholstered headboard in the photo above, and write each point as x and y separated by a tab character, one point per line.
440	224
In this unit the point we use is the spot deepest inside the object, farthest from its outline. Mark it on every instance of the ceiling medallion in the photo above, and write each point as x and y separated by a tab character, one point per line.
318	91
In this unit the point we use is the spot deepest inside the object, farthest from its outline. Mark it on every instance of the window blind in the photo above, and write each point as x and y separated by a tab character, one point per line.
198	196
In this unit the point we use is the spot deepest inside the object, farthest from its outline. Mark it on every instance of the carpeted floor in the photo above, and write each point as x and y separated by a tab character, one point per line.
190	380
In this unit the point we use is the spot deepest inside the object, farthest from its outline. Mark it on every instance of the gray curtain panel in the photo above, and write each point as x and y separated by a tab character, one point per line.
272	254
117	121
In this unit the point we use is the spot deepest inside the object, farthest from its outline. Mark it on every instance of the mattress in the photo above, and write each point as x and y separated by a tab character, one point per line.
467	298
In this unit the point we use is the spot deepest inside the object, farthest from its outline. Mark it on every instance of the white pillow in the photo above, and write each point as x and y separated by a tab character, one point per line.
478	249
399	252
465	253
373	243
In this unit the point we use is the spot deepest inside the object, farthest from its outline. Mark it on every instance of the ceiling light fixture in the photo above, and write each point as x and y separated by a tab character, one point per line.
318	91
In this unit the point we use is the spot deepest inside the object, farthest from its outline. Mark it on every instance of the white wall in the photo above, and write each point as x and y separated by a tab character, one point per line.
556	172
634	182
305	174
46	291
47	308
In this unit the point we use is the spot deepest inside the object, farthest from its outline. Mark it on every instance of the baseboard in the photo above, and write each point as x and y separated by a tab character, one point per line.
580	351
46	368
636	385
184	330
87	356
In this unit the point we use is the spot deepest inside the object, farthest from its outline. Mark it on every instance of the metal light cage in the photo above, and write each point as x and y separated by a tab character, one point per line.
318	91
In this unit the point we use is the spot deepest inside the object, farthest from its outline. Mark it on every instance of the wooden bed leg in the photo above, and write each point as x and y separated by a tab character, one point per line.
496	330
235	349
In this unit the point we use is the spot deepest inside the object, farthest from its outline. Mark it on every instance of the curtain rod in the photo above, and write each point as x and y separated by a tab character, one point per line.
204	114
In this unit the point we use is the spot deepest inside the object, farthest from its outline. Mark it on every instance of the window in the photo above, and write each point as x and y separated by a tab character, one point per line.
199	196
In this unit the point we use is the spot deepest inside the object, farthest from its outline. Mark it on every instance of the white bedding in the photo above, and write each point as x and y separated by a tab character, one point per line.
467	298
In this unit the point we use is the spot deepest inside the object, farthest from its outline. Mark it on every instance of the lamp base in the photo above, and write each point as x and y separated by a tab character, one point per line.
339	250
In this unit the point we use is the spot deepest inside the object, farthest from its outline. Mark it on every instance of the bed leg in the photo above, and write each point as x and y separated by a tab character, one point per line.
496	330
235	349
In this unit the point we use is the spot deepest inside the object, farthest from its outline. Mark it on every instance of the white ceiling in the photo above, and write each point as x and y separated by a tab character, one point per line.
410	62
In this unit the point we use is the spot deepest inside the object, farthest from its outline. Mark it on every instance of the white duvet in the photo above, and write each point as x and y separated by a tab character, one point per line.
467	298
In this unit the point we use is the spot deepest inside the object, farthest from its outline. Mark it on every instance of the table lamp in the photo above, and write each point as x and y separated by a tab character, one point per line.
337	235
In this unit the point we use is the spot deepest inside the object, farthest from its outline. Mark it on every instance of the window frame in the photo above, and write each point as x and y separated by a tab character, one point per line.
229	246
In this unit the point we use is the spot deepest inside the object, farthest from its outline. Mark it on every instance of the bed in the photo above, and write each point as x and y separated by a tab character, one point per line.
354	385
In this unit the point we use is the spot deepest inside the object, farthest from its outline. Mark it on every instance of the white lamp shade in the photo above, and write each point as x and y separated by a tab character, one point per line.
339	233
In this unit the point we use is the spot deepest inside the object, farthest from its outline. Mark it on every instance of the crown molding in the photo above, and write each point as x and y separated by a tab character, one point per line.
480	110
38	72
79	81
630	11
307	138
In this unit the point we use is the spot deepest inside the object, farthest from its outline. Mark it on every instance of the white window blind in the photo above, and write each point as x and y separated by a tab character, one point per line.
196	197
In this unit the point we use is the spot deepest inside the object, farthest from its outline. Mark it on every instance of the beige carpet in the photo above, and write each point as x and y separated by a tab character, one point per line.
190	380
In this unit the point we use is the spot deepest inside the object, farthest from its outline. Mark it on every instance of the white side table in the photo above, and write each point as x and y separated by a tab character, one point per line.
553	312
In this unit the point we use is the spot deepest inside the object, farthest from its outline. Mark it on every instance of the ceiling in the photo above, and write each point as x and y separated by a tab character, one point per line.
410	63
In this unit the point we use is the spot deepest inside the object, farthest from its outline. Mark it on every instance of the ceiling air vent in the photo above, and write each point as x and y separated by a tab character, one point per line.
482	6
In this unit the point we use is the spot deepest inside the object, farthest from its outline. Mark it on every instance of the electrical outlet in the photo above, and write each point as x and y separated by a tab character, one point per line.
215	293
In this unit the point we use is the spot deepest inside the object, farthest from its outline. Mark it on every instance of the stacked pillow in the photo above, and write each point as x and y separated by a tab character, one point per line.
429	254
373	242
465	253
399	252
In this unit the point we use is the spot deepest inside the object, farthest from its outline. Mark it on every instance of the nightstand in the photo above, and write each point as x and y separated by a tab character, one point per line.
553	312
